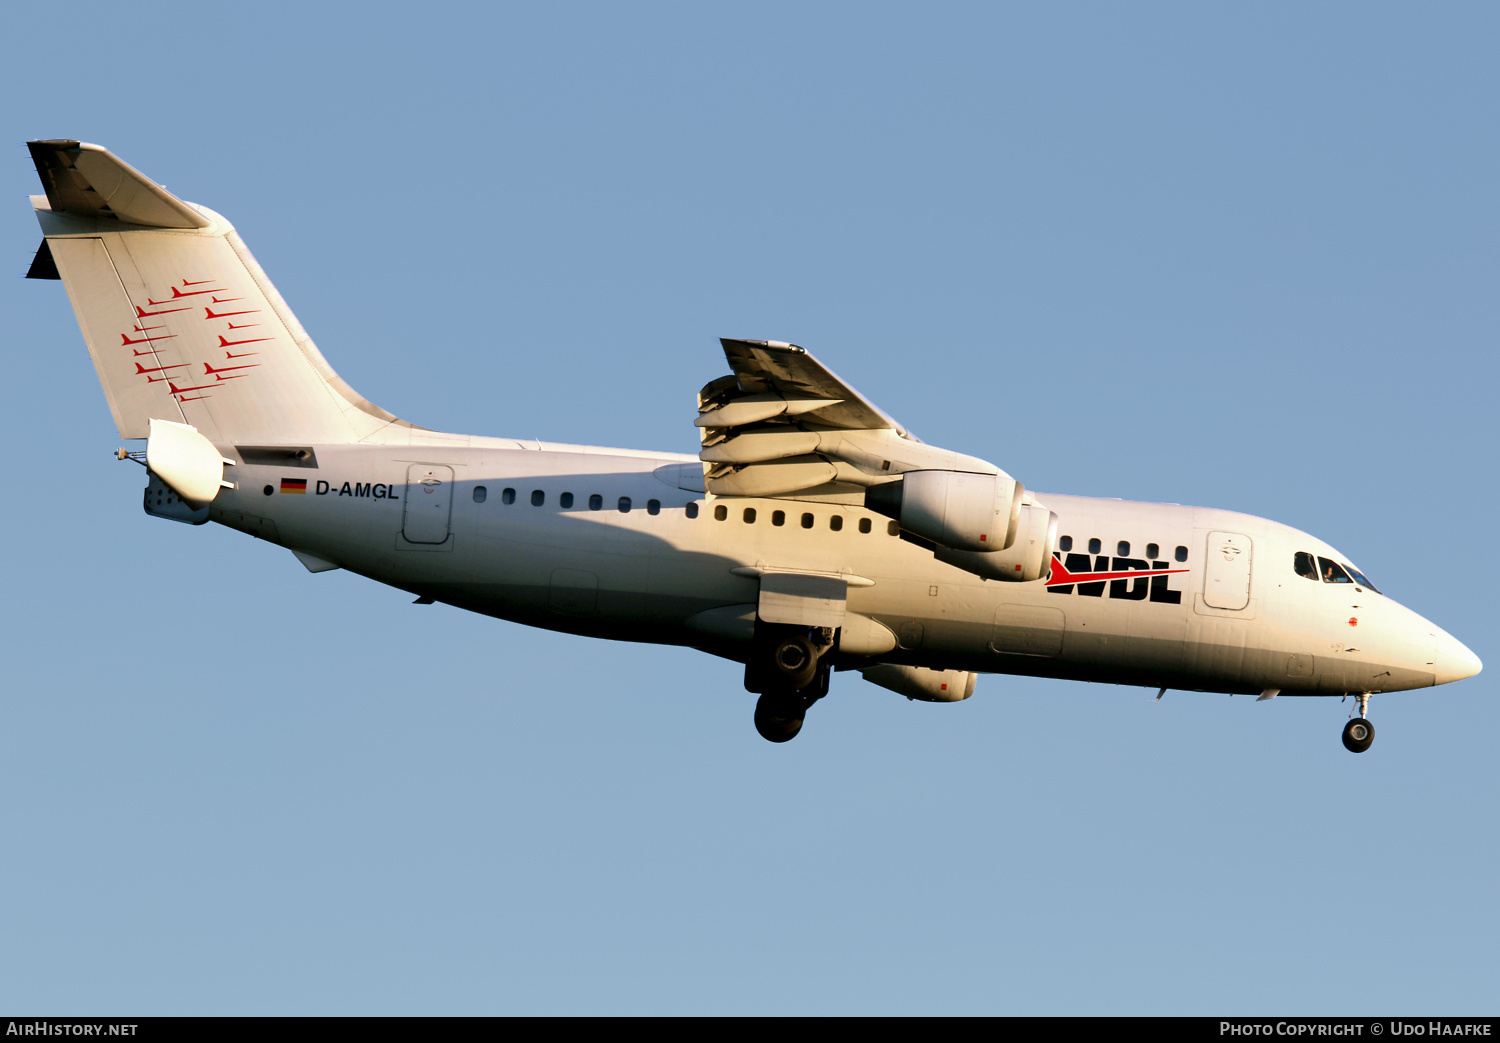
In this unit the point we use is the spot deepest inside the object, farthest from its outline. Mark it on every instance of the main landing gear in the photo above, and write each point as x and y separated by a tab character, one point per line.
1359	733
788	669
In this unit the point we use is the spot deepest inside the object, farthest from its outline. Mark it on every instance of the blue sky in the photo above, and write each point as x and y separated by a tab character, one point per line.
1240	257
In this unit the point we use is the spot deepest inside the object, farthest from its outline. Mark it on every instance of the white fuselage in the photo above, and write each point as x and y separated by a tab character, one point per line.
605	543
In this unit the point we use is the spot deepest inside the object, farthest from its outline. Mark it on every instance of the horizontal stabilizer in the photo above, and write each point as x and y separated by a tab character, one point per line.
42	265
87	180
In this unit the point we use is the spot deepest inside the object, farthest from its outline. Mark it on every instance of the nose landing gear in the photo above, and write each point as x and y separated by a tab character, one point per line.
1359	732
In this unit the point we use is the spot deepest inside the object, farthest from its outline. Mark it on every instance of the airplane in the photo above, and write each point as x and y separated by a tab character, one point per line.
811	532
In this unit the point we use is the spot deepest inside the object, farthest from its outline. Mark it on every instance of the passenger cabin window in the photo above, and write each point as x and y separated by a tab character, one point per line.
836	523
864	525
720	512
1306	567
1181	554
480	494
692	510
1065	543
1333	572
538	497
624	505
807	521
1153	551
1123	548
507	496
778	517
749	516
1095	546
596	502
653	506
566	500
892	529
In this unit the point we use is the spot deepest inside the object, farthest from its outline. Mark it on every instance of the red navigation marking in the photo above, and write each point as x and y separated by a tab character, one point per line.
143	329
1061	576
183	391
155	380
232	376
146	314
125	338
225	314
197	282
207	369
235	343
151	352
195	398
139	369
177	295
242	325
226	300
241	355
1353	622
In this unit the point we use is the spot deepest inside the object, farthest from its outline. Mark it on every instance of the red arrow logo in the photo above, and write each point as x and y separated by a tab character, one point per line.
1061	576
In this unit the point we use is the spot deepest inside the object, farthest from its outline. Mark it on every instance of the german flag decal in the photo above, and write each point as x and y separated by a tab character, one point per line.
294	485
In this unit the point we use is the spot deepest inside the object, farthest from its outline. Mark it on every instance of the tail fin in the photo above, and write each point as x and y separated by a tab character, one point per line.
181	322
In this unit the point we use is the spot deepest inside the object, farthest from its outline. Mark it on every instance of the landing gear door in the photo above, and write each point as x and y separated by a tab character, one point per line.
429	502
799	599
1226	571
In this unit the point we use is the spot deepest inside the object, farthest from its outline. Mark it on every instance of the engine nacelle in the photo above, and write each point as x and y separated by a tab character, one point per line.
957	509
917	682
1028	558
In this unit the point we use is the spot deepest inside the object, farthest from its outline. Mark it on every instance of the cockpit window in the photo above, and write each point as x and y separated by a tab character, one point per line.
1333	572
1359	577
1306	567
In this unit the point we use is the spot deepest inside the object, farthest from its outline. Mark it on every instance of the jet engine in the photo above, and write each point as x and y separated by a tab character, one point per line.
957	509
1028	558
916	682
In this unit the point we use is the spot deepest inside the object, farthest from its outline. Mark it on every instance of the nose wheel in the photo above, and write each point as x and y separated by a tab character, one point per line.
1359	732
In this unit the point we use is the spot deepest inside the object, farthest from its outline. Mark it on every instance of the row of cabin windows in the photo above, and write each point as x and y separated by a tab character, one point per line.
1314	569
1122	549
721	512
564	500
835	521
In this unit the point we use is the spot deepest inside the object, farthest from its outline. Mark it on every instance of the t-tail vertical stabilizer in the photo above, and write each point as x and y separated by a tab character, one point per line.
182	324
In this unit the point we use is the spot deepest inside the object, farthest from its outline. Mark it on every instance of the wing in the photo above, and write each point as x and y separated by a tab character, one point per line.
768	367
783	424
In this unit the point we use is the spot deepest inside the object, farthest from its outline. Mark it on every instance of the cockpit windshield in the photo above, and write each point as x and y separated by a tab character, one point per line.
1314	568
1333	572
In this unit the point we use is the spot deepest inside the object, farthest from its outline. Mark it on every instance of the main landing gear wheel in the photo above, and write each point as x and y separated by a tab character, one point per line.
1358	734
795	661
778	716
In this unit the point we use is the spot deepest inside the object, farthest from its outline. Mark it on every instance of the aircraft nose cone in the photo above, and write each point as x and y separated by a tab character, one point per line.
1454	660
